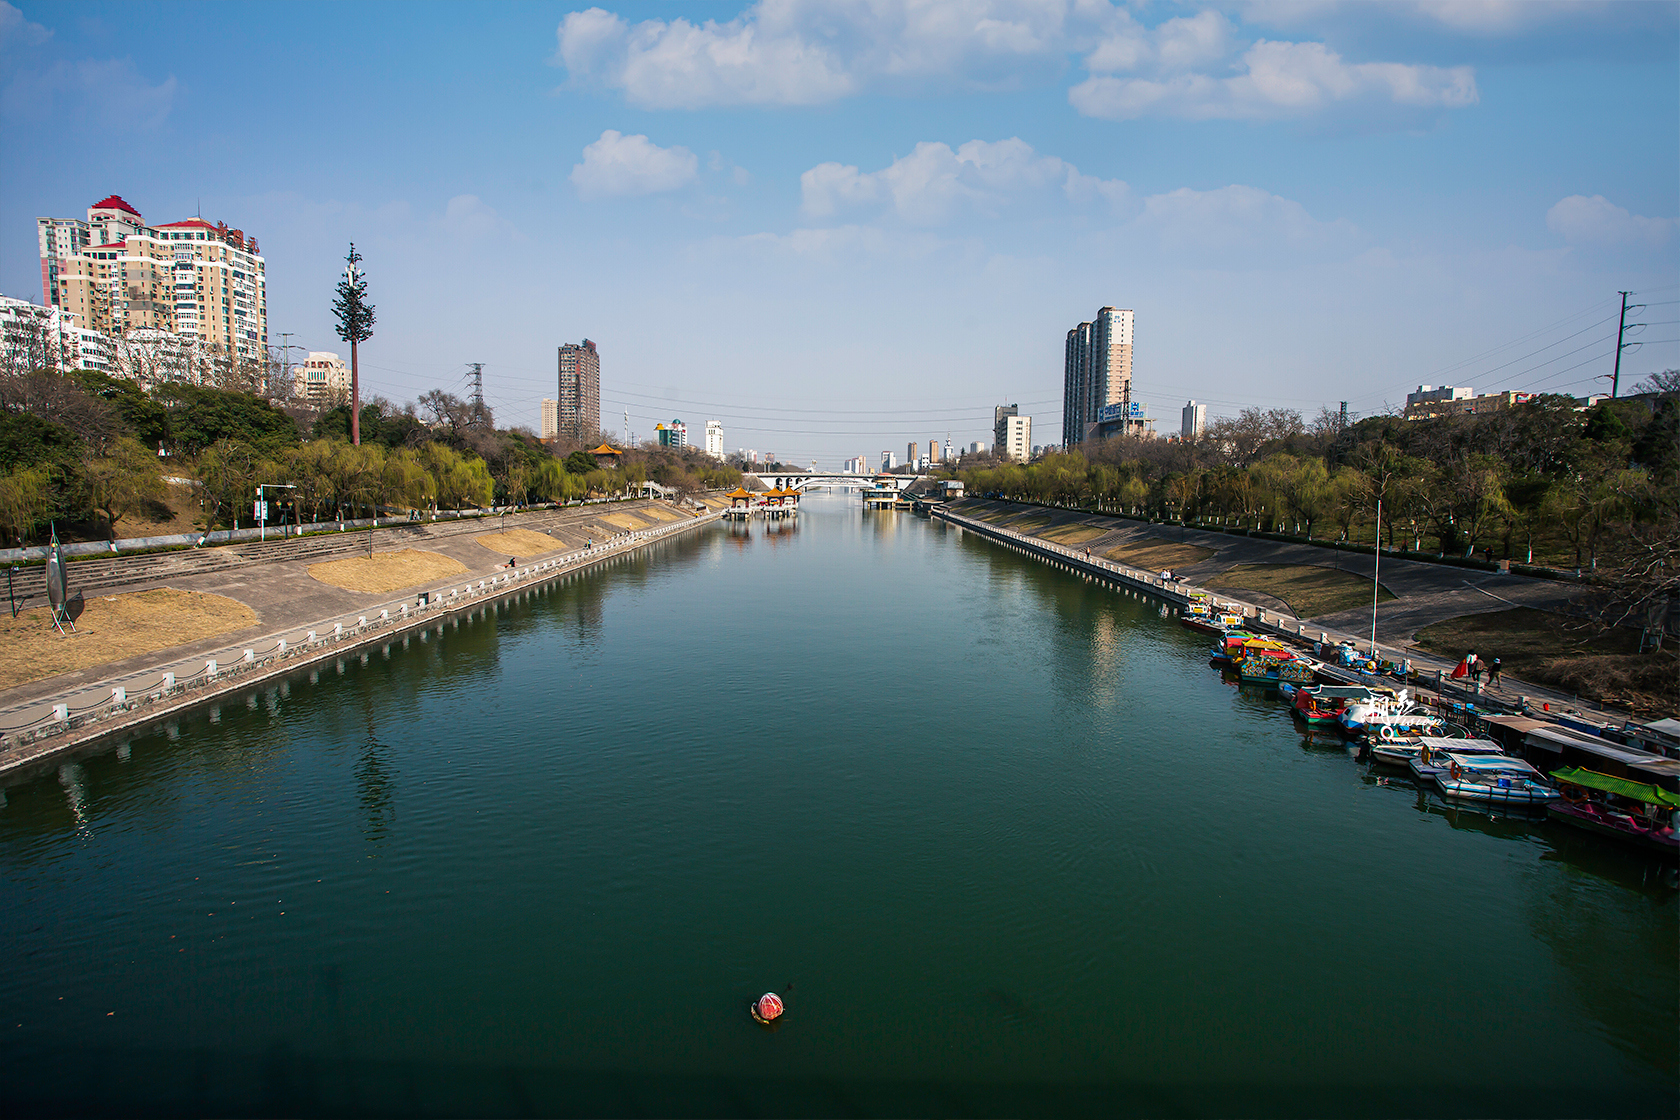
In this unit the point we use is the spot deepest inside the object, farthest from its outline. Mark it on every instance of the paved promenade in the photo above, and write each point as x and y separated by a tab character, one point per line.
290	604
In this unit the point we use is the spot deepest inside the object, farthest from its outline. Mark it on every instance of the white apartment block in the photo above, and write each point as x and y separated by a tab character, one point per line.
714	438
550	418
888	460
1015	437
35	337
322	378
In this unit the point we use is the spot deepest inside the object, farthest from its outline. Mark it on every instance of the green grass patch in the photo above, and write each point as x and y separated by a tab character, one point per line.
1310	591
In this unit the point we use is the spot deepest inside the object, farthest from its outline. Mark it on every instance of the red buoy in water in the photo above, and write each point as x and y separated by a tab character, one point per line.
768	1008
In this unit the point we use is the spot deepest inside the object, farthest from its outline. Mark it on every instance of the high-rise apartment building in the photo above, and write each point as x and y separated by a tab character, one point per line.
1096	371
204	282
910	453
578	415
714	438
888	460
550	418
933	450
1194	420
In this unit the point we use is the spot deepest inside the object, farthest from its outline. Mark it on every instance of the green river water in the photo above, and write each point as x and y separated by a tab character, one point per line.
1005	840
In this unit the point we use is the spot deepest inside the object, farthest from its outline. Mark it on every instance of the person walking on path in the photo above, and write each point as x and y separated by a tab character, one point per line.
1493	673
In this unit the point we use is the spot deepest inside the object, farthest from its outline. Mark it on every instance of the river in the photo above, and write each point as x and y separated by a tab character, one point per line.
1003	838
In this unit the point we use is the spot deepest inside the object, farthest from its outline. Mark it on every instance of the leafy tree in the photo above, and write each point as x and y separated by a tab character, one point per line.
25	501
580	462
201	417
124	481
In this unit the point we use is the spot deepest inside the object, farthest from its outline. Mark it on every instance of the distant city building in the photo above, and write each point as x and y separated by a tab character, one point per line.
193	278
674	434
578	415
858	465
933	450
1427	403
910	454
1431	394
1096	372
949	453
1194	421
888	460
1013	433
550	418
322	378
977	448
714	438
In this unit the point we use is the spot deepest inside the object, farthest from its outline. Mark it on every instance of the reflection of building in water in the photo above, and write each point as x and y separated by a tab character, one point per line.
373	789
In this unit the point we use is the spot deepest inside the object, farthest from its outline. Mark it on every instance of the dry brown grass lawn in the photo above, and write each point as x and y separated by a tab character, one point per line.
1310	591
386	571
626	521
1074	534
519	542
1155	555
112	628
663	513
1564	653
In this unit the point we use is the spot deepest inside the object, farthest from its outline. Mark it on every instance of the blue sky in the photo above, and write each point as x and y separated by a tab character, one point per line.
838	227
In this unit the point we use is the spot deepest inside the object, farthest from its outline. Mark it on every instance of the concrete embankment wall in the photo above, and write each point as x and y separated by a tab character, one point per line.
1122	575
66	734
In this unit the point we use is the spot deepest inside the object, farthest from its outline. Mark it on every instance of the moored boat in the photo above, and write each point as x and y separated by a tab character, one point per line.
1411	752
1389	715
1324	703
1496	779
1230	640
1264	661
1640	814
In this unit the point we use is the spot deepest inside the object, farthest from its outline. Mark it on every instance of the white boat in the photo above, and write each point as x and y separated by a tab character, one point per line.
1497	779
1389	717
1405	752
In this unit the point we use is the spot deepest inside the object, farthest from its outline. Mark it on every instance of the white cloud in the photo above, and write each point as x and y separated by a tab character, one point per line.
933	182
16	30
114	91
1273	80
806	52
1598	221
617	165
1236	222
468	217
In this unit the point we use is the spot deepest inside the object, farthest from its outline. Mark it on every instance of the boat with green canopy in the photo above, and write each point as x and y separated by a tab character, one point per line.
1641	814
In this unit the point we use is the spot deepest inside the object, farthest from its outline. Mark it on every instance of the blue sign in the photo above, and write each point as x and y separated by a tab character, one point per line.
1109	413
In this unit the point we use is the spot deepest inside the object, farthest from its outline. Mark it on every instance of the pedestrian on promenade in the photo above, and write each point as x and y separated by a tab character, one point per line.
1475	669
1493	673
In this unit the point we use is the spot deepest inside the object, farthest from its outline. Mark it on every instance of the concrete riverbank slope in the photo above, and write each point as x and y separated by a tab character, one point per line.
300	617
1423	593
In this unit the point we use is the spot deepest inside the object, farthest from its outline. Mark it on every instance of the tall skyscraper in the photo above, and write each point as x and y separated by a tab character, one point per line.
1096	371
910	453
578	415
933	450
1195	420
714	438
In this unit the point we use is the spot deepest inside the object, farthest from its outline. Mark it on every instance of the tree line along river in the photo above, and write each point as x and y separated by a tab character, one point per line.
1000	836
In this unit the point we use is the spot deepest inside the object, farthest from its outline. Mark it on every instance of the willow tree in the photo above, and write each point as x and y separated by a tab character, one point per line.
355	325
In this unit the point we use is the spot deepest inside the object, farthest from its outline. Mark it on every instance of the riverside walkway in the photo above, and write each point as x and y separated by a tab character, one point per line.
1084	559
301	621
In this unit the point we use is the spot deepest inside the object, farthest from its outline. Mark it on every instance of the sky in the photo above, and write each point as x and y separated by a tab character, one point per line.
841	226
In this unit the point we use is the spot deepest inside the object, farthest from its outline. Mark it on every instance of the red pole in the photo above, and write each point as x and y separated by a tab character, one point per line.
355	398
